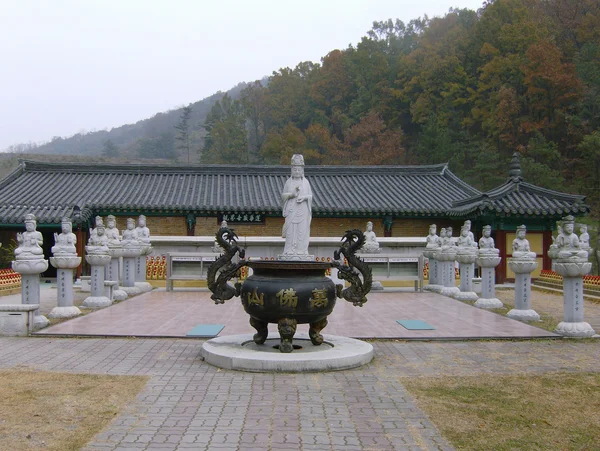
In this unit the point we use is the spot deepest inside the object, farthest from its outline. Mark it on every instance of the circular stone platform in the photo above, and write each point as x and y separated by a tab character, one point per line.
239	352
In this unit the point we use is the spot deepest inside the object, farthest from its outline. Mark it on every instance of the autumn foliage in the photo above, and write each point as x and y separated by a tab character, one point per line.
469	88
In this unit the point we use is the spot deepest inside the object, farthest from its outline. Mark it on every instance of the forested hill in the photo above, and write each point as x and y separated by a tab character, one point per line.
470	88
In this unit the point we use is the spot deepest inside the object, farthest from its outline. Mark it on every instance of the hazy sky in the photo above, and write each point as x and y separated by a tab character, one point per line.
72	65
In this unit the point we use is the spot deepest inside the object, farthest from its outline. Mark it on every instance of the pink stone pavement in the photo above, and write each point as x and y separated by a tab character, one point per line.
173	314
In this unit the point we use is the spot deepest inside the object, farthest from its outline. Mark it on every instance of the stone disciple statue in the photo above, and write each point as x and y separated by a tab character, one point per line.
297	211
568	241
143	232
65	241
30	241
584	238
450	238
130	237
433	241
112	233
467	224
486	242
98	242
371	244
520	245
465	239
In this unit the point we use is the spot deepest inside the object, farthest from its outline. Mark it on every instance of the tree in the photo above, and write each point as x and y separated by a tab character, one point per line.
254	103
226	135
183	131
161	147
110	149
370	142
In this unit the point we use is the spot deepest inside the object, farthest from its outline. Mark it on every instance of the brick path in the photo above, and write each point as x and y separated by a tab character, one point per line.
189	404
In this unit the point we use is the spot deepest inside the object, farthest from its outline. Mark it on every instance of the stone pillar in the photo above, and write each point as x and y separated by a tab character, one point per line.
466	259
97	299
140	270
487	262
571	262
523	270
65	264
434	276
130	254
115	252
447	258
573	324
30	271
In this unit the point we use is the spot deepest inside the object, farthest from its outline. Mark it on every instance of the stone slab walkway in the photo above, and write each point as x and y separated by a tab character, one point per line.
173	314
190	405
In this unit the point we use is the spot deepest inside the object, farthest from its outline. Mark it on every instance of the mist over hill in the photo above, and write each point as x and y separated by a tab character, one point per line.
152	138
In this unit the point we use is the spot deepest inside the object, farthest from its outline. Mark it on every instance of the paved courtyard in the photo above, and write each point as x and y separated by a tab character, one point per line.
173	314
188	404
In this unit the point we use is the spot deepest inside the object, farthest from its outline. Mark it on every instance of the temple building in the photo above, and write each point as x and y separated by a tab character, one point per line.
401	201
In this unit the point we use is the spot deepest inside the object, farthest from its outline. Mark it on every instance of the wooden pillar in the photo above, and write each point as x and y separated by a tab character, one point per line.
546	242
501	245
388	221
80	250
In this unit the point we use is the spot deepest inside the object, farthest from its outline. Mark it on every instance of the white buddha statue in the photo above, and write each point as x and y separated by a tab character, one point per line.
143	232
371	244
130	237
568	241
520	245
112	233
30	241
297	211
486	242
98	241
433	241
65	241
465	240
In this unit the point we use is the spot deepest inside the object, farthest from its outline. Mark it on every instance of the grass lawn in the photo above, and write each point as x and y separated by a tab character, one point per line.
59	411
554	411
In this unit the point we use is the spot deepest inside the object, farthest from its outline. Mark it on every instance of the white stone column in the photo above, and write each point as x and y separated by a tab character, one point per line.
573	324
97	299
447	258
523	269
113	274
140	270
488	263
130	254
466	259
434	276
30	271
65	264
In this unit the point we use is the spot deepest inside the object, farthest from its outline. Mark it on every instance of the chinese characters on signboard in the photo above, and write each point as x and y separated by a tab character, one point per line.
242	218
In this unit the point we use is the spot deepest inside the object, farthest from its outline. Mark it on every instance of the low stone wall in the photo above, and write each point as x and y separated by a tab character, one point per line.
271	246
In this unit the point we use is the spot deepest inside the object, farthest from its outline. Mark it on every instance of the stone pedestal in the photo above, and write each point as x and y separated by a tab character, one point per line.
446	259
16	320
523	270
30	271
97	298
488	298
140	270
112	272
130	254
434	271
65	264
573	324
466	259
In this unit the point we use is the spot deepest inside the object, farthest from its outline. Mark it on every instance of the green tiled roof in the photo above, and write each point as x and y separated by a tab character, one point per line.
519	198
52	190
